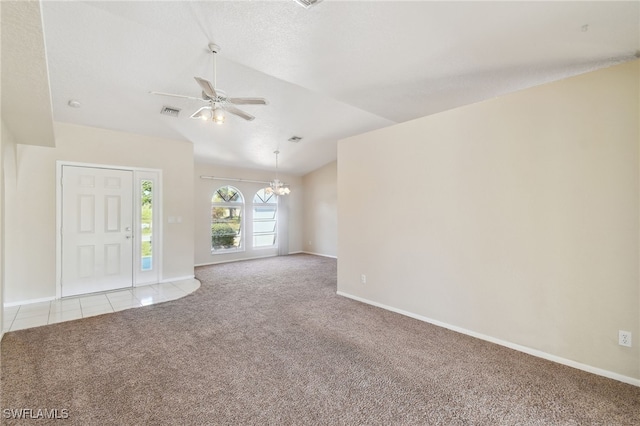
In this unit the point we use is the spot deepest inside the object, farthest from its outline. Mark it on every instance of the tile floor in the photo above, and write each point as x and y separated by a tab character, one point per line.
71	308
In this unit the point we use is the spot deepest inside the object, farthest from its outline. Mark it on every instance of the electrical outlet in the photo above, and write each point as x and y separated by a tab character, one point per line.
363	279
624	338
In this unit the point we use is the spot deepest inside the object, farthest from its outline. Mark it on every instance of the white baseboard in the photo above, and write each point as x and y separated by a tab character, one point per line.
319	254
29	302
262	257
510	345
235	260
168	280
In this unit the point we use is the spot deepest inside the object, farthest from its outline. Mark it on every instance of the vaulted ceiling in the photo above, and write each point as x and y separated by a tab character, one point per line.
337	69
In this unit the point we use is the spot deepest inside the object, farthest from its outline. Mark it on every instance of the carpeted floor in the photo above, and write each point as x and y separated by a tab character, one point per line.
268	342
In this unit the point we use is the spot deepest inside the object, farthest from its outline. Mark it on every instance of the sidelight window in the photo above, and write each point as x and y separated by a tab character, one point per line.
146	222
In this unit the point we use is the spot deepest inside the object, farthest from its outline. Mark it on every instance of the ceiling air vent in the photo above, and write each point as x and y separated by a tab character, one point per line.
170	111
307	3
295	139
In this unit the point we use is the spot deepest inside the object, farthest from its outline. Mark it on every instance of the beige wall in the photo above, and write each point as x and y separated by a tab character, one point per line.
31	222
204	189
1	242
7	193
1	237
3	143
515	218
320	229
2	126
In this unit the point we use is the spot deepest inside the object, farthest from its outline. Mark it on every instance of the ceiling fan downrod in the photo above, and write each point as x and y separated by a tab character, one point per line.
214	48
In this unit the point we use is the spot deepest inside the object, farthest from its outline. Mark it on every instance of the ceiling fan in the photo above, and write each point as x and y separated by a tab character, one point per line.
217	100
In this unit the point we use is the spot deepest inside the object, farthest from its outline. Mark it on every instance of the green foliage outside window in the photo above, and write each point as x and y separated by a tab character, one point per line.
226	218
222	235
146	216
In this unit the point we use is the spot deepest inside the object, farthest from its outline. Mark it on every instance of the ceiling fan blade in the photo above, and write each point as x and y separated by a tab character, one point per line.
178	96
238	112
207	87
200	113
248	101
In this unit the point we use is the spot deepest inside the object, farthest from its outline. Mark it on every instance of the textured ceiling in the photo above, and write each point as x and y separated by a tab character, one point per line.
25	83
335	70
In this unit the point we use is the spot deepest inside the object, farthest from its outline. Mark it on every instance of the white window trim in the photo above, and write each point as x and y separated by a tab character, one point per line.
153	276
243	222
253	231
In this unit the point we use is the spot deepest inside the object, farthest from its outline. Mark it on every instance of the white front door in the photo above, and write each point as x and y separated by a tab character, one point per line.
97	237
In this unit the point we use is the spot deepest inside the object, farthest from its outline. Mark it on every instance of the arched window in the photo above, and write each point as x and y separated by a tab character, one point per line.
227	206
265	223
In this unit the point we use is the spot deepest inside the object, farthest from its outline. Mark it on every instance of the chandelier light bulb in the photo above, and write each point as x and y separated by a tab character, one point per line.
276	186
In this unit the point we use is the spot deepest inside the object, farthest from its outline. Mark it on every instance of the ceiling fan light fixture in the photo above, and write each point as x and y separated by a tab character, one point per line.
307	3
217	101
206	114
218	115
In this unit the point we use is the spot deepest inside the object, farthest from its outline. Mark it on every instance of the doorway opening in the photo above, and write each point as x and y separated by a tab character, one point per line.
109	224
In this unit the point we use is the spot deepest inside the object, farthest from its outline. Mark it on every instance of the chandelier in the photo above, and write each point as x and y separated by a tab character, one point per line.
276	186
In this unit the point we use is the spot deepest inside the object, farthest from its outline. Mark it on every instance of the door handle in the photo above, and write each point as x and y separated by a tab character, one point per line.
129	237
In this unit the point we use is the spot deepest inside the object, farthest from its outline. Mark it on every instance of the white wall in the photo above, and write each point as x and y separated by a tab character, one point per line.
30	267
516	218
2	126
320	230
2	231
203	191
8	148
8	163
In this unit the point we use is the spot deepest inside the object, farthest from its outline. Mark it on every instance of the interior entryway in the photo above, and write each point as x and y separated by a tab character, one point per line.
71	308
97	224
109	228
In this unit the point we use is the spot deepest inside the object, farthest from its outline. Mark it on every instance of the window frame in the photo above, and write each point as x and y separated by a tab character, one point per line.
265	201
229	204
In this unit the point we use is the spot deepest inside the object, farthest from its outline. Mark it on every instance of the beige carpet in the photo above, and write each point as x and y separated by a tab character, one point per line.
269	342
